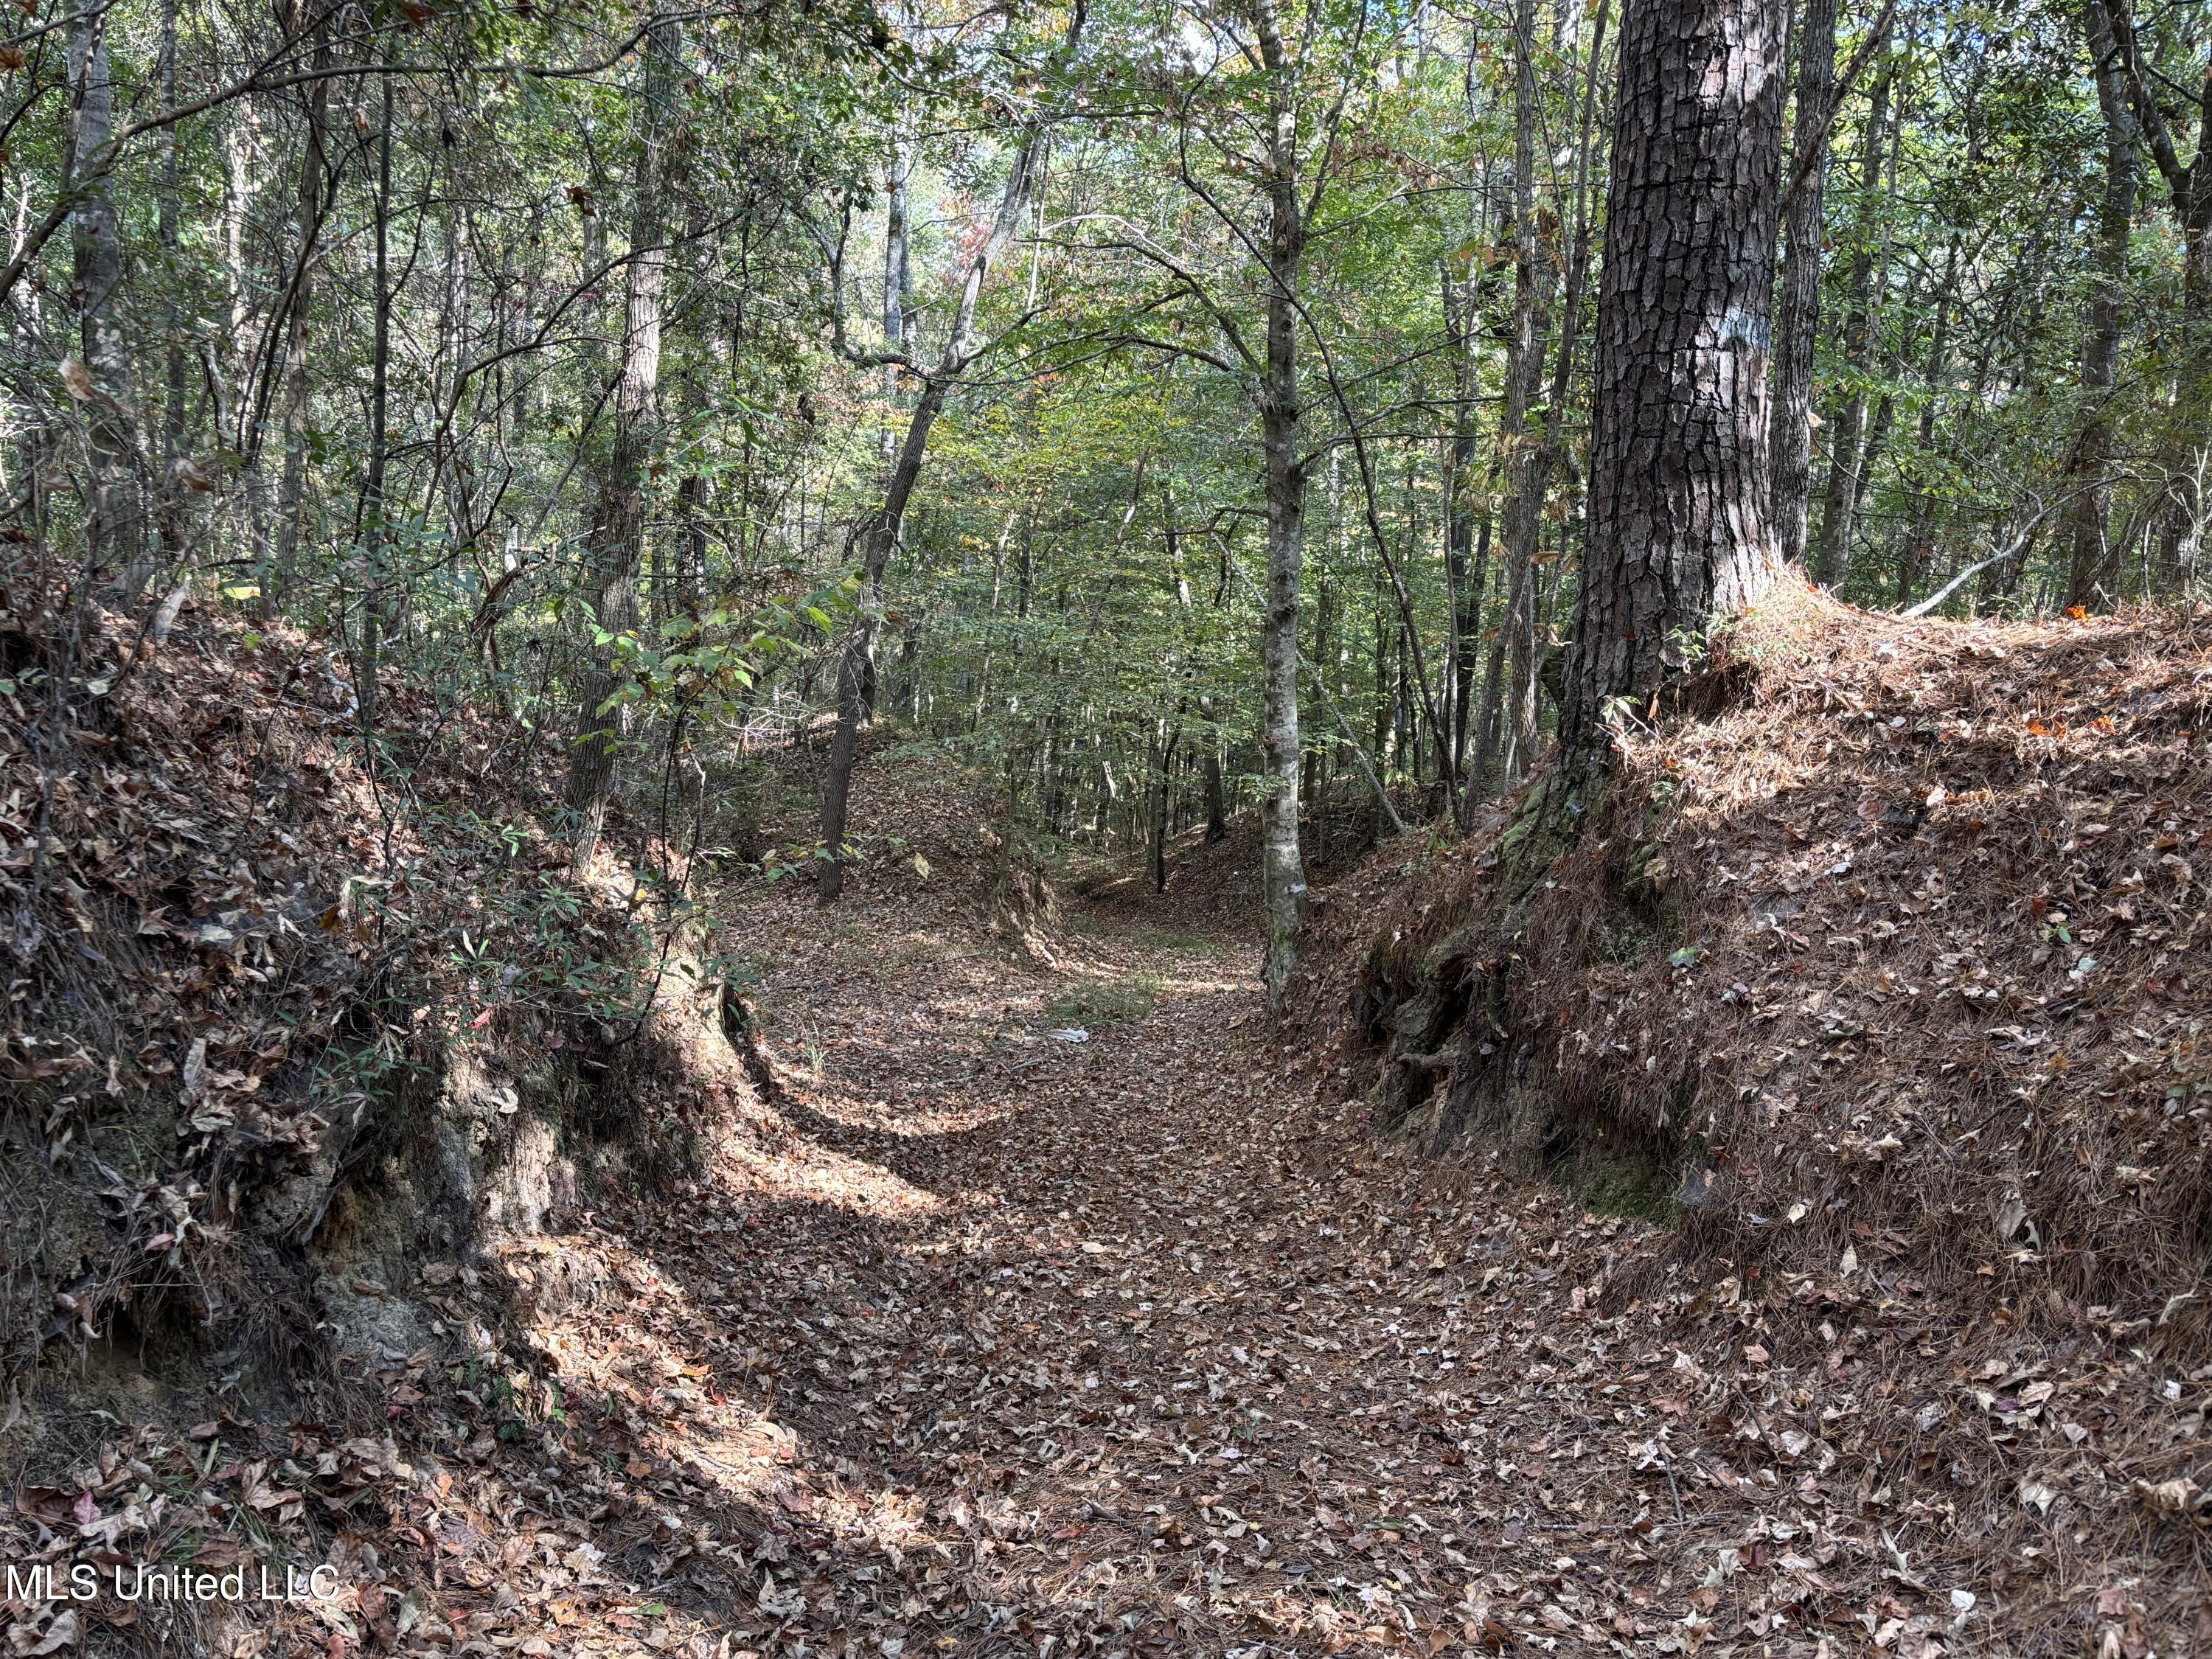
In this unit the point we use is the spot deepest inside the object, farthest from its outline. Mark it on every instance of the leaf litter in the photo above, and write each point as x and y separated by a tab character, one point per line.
1880	965
964	1341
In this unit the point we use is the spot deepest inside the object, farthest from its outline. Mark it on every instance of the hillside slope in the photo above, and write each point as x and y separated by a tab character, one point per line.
1880	972
879	1312
301	1039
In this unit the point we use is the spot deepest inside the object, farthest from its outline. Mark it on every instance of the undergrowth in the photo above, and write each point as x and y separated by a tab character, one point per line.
1101	1001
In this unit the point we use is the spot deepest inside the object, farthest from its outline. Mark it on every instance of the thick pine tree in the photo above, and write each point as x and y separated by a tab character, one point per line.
1680	530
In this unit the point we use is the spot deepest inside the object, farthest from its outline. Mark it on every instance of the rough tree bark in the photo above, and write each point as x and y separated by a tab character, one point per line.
1680	485
1798	323
617	533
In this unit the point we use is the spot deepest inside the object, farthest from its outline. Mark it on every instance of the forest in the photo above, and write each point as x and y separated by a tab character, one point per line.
1035	377
1139	826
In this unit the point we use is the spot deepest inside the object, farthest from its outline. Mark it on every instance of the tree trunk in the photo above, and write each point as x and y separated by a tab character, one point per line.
2188	187
899	318
856	666
1493	686
880	534
1680	482
1163	784
2092	561
169	515
1216	815
1461	578
117	527
617	533
380	393
1524	371
1535	637
1283	870
1318	752
1847	409
1920	528
292	481
1402	744
1797	327
990	621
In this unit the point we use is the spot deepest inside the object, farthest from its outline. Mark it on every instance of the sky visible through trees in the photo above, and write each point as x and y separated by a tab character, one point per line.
1166	408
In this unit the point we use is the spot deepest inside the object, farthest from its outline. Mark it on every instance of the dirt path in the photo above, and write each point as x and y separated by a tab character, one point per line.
987	1341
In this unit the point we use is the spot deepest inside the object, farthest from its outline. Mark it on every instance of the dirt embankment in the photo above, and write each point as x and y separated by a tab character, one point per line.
305	1030
1880	975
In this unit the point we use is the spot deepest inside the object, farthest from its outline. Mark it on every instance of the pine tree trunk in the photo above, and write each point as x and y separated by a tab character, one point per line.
1679	484
1798	324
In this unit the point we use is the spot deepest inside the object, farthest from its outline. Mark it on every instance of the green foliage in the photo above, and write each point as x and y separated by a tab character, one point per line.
1073	602
1104	1001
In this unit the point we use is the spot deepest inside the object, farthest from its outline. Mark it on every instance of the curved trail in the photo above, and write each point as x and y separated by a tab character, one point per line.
981	1341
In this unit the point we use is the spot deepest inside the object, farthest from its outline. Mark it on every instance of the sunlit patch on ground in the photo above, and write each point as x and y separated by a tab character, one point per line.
974	1341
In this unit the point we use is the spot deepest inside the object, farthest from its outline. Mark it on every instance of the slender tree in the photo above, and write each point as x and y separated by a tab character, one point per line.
1283	465
1798	324
2092	559
2189	192
617	533
1850	405
311	202
376	510
1533	277
104	384
879	534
